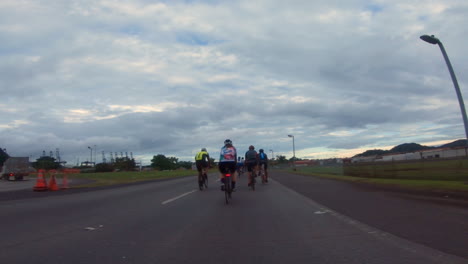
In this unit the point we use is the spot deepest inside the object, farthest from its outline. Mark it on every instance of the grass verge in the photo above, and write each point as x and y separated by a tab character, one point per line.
412	184
113	178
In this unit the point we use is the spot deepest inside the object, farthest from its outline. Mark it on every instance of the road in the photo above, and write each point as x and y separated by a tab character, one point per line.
173	222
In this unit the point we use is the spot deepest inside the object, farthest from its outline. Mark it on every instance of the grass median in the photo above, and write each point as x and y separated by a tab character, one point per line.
433	185
123	177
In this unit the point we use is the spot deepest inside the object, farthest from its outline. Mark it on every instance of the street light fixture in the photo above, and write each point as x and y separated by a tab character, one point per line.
272	154
294	152
433	40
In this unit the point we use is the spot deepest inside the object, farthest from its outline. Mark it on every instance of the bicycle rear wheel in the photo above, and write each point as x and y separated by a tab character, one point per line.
205	180
227	189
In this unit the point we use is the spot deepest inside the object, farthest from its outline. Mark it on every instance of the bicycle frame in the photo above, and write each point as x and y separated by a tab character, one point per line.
227	186
203	178
252	179
262	173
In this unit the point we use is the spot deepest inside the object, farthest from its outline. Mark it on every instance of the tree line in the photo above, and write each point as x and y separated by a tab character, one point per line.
158	162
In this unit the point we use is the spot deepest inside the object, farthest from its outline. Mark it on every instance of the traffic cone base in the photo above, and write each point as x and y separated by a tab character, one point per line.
41	184
53	183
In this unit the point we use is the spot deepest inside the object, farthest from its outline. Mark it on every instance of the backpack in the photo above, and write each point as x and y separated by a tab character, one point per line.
262	156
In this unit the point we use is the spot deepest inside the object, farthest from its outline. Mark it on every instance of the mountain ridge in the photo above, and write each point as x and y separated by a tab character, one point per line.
410	147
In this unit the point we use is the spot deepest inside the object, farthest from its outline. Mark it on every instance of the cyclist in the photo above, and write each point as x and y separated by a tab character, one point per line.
202	160
240	166
263	160
251	161
227	162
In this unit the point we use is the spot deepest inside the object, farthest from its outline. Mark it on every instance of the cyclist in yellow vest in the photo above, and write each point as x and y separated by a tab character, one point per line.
202	160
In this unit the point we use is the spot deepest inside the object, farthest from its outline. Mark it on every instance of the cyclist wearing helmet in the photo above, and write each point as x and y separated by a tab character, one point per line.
227	162
263	160
202	160
251	161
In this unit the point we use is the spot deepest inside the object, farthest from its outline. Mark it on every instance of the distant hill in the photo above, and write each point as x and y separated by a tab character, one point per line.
457	143
409	147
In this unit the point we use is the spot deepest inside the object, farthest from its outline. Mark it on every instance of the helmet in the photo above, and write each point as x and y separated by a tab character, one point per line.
251	147
203	149
227	142
261	150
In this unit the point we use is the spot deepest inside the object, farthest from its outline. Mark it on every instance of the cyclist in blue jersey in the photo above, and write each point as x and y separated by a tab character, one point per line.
263	160
227	162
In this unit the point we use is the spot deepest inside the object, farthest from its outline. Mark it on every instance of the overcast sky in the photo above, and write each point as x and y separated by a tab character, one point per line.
171	77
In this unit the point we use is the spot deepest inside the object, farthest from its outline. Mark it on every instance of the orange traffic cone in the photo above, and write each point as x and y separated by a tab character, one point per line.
65	181
41	184
53	183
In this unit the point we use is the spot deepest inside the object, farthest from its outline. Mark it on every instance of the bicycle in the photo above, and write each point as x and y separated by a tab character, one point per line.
252	183
252	180
240	171
204	180
261	173
227	186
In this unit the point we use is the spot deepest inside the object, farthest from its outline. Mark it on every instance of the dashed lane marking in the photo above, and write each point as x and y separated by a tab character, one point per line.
178	197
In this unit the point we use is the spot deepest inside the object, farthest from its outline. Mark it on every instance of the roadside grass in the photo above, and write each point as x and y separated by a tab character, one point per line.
113	178
456	169
416	183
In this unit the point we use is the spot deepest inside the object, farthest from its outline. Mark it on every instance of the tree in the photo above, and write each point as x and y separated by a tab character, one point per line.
3	157
185	164
281	158
125	164
104	167
46	163
161	162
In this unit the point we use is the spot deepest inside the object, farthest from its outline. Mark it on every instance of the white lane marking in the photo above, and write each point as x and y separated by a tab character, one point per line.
178	197
90	228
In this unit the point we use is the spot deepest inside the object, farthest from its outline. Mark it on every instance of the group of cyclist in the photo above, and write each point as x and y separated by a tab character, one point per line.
229	162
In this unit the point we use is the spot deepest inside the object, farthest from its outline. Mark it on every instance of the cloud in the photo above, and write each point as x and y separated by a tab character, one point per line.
170	77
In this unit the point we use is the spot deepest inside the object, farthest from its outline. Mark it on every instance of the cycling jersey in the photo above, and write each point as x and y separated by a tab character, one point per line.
228	154
251	156
202	155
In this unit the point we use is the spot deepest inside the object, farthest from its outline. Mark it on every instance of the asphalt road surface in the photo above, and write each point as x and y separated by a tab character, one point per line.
173	222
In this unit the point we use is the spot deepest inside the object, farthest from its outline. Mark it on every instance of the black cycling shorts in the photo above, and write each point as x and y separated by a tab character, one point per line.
251	165
227	167
265	164
201	164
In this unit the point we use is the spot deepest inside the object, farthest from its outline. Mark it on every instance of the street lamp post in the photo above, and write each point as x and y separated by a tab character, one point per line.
433	40
294	152
272	154
90	154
